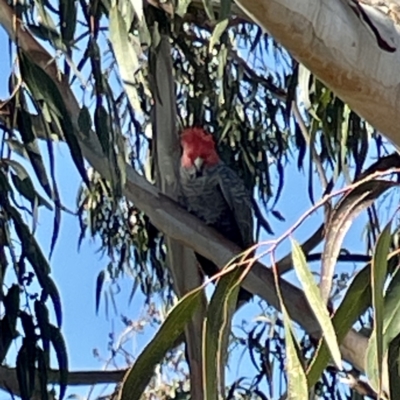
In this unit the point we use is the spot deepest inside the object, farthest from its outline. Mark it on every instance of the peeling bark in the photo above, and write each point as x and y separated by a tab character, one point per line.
328	38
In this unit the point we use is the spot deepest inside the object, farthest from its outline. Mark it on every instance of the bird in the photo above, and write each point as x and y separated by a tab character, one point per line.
215	194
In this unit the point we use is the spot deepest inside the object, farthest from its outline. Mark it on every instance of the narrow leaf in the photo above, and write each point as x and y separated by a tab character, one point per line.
125	54
297	381
209	8
26	128
26	189
8	323
43	88
42	316
181	7
50	288
391	319
30	345
217	328
219	29
24	184
394	367
48	34
42	373
84	121
355	303
60	348
342	218
378	276
99	287
138	377
40	265
68	17
225	9
22	365
316	303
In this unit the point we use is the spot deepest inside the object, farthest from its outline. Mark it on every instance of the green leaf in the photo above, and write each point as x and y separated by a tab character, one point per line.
26	189
26	128
57	216
102	124
22	365
24	184
219	29
394	367
43	321
40	265
181	7
315	301
43	88
17	147
391	319
222	61
50	288
49	35
84	121
67	13
125	54
42	373
28	326
304	89
12	303
375	349
347	210
9	321
44	16
30	344
6	337
99	287
225	9
216	333
355	303
297	381
137	378
30	246
60	348
209	8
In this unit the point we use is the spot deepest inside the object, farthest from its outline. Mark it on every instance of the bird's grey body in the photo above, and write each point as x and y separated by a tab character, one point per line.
217	196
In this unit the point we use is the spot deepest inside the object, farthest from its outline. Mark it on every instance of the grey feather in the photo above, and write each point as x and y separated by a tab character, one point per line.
218	196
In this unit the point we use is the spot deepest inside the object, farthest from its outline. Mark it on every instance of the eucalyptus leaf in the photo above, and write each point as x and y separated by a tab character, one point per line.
138	377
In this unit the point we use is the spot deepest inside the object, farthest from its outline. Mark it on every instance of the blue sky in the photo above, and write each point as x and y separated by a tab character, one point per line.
75	271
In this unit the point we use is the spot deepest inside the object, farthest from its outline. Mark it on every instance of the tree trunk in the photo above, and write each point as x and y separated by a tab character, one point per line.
181	260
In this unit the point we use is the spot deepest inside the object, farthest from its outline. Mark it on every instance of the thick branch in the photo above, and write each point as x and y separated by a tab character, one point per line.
328	38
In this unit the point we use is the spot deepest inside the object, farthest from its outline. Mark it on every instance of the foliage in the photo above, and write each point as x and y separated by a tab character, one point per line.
266	113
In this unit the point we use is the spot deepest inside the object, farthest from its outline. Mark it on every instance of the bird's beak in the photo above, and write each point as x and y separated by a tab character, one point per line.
198	163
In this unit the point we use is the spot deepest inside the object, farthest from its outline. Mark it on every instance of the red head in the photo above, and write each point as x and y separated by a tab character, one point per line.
197	144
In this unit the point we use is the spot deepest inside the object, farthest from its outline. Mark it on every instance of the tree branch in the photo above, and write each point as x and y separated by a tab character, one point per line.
328	38
9	381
